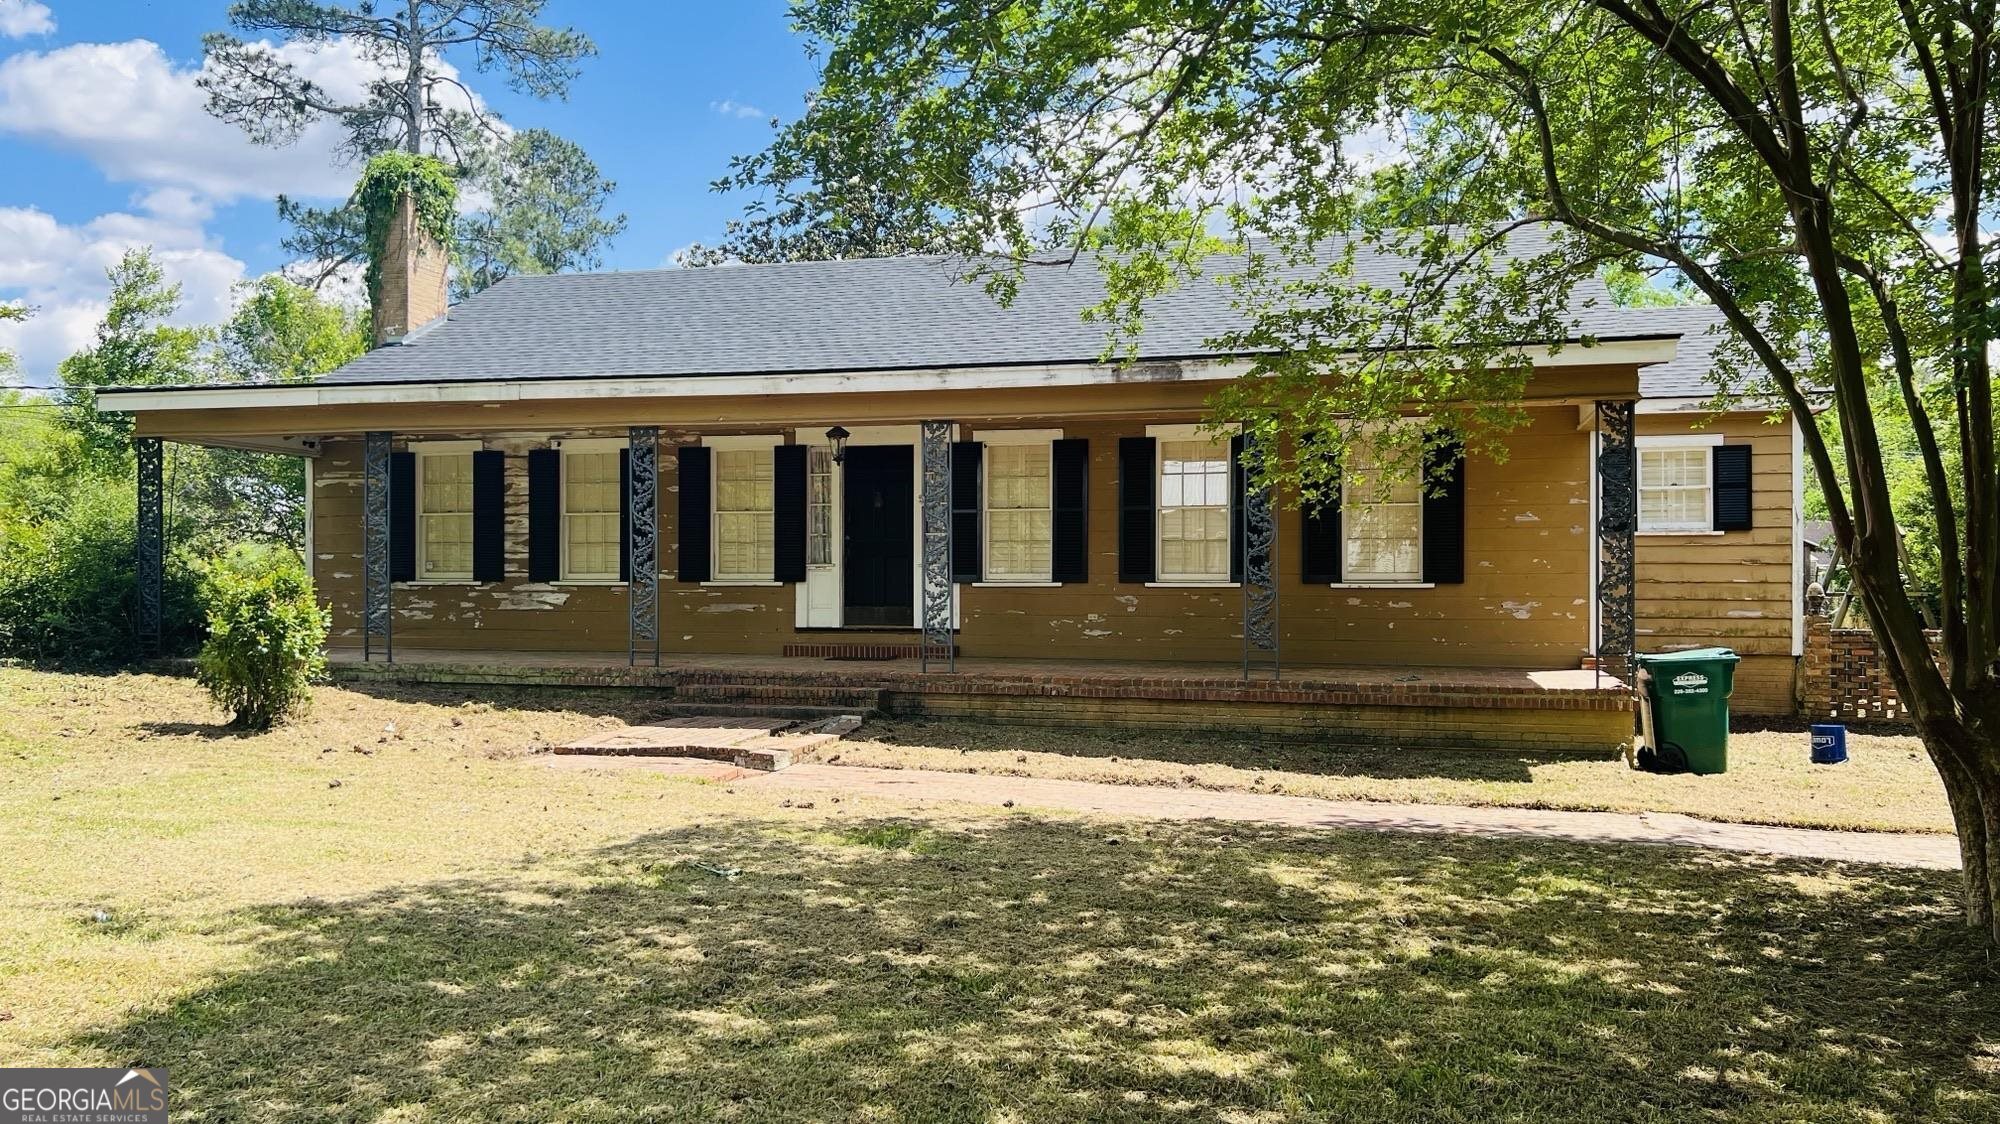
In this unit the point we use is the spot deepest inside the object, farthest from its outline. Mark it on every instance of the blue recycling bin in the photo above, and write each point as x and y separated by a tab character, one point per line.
1829	743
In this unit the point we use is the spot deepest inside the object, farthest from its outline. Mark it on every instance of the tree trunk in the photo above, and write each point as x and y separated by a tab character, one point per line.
1972	786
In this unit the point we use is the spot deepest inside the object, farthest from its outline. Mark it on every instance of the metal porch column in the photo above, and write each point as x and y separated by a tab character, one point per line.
376	619
643	514
1260	586
935	502
1617	523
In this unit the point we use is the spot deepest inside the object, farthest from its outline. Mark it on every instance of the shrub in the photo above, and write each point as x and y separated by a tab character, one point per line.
266	633
68	591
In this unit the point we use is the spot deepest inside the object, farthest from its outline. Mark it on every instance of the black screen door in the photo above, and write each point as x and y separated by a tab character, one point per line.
879	511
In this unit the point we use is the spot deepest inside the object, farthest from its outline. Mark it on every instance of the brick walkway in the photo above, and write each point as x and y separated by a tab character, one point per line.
1939	852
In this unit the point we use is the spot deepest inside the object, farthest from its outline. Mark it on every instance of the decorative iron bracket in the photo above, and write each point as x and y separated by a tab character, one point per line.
643	513
1260	587
376	618
936	593
1617	524
150	566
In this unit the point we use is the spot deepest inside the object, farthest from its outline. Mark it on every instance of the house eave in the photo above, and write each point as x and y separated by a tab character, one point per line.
1636	352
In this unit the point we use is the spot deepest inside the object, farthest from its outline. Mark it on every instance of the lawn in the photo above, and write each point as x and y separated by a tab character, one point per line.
1887	783
455	932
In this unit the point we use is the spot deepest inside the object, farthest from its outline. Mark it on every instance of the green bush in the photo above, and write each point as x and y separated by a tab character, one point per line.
68	592
266	636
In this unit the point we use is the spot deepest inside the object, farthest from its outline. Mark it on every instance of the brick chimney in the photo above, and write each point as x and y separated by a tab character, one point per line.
411	279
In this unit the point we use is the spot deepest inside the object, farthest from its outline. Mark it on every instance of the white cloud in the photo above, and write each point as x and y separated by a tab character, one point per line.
128	109
140	119
59	269
19	18
730	108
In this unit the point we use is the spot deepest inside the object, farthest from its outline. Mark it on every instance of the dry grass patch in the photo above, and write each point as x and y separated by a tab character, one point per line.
1886	785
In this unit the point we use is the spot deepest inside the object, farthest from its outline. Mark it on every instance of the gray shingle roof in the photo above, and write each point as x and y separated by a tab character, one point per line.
858	315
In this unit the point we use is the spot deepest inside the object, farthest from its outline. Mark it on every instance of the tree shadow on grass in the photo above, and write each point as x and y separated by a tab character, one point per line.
1034	971
1304	755
212	731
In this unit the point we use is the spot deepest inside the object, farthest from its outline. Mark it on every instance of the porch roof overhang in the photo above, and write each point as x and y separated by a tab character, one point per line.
300	403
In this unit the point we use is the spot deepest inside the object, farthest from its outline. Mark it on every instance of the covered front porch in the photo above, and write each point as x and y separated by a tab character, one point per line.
1428	707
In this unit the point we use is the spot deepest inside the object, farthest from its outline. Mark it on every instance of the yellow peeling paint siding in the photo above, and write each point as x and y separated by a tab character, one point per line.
1524	601
1732	590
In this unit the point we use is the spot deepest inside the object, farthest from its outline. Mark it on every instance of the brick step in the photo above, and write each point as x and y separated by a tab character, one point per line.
806	695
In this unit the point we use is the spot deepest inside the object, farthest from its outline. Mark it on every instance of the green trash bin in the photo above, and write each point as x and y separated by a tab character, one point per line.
1689	694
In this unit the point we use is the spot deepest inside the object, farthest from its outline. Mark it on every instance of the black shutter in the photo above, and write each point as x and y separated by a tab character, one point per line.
1237	483
625	515
966	560
1136	546
1731	467
694	484
403	517
1444	516
544	515
489	516
788	513
1070	549
1319	540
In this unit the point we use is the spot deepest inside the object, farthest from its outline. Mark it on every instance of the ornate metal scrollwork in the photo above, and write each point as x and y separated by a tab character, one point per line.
643	512
1260	588
376	619
1617	523
935	458
150	567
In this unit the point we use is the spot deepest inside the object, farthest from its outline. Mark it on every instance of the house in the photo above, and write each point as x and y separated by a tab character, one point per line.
865	476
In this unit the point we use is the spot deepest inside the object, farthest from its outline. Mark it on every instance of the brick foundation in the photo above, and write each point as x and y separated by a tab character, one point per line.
1843	677
1439	713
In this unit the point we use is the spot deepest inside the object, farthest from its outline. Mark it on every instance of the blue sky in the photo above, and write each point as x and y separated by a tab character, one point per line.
103	143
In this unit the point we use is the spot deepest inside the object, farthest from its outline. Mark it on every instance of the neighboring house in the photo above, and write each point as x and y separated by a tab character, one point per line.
1091	518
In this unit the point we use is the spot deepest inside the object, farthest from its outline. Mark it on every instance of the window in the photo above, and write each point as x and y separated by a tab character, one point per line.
1194	505
745	533
1674	486
1020	494
1381	520
590	515
444	510
819	506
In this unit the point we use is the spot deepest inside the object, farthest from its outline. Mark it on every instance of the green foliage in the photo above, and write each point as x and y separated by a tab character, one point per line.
67	592
266	631
135	346
387	178
251	85
546	215
283	332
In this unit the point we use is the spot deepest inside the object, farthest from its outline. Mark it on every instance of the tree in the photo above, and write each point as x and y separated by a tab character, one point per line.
8	364
418	105
1819	172
136	346
546	214
826	196
281	332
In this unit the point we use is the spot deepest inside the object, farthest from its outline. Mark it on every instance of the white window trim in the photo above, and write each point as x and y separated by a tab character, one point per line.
1046	438
1668	442
423	450
734	443
566	447
1183	431
1415	581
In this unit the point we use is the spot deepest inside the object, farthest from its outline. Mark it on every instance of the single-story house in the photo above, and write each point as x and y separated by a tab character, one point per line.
868	473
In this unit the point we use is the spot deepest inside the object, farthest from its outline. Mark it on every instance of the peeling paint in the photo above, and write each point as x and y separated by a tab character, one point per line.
1527	517
1520	610
730	607
1095	632
1745	613
1130	602
534	597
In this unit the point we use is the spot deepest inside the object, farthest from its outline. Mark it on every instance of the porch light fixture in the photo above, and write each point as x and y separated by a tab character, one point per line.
838	437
